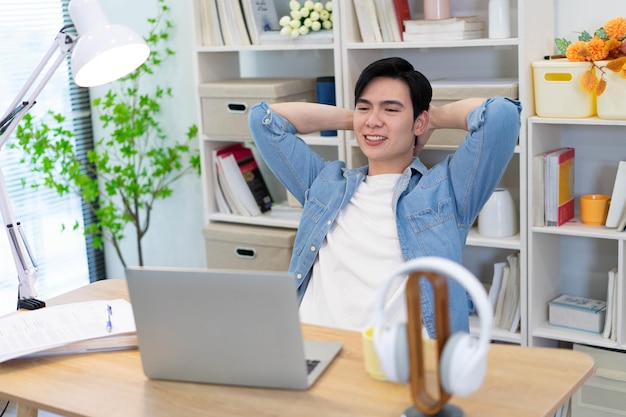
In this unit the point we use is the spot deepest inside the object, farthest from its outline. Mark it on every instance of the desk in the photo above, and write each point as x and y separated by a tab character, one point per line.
520	382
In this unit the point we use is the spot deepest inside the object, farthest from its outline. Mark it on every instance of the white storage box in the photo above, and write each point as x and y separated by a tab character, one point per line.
557	89
577	313
604	393
225	104
448	90
234	246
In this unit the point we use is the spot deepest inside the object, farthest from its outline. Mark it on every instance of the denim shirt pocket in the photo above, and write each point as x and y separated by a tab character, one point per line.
435	229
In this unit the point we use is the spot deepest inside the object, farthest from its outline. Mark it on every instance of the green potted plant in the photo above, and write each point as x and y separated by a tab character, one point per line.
131	168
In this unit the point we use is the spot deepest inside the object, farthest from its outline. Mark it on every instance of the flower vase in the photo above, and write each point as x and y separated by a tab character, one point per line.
611	104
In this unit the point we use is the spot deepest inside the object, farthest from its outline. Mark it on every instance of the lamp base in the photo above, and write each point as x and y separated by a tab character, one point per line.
448	410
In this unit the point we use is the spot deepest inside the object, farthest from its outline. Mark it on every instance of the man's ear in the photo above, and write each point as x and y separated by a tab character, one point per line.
421	123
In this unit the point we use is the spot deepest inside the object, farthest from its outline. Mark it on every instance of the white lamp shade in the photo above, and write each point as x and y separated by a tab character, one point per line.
104	52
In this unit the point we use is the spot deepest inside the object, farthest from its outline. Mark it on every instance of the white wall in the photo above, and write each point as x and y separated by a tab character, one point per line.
175	234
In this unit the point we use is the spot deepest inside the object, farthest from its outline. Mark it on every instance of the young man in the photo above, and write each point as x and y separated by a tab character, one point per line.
358	225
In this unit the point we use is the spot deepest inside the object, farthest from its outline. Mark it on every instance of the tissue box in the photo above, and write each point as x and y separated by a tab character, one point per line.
448	90
225	104
577	313
557	89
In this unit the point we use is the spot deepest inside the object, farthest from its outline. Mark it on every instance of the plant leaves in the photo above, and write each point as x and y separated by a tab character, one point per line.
562	44
600	87
616	65
584	36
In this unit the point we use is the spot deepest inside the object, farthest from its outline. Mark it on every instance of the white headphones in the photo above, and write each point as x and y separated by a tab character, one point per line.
463	361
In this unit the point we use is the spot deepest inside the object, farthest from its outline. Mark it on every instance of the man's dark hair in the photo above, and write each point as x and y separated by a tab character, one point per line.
400	69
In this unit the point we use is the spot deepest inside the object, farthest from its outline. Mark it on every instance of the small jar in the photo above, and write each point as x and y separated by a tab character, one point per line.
436	9
499	19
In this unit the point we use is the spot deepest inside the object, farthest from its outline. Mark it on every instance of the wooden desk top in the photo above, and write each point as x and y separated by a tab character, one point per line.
520	382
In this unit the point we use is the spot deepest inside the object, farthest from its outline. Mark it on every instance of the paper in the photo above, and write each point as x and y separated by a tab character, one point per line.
28	332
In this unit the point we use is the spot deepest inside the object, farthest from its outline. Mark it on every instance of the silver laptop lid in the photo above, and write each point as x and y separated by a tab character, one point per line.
219	326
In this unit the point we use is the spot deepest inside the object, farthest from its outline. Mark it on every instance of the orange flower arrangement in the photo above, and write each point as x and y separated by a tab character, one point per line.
607	43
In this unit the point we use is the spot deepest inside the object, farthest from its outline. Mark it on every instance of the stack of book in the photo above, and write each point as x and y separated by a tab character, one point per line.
553	187
616	216
391	21
238	22
504	293
454	28
239	185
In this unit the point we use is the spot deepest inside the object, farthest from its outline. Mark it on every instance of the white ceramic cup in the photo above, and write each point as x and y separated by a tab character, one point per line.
498	218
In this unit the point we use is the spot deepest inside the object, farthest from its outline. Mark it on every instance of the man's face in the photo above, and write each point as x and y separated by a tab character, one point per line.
384	125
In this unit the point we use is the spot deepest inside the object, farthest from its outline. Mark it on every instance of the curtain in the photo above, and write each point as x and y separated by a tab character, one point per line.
66	258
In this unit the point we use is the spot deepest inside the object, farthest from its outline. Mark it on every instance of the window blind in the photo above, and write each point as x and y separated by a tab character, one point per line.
66	259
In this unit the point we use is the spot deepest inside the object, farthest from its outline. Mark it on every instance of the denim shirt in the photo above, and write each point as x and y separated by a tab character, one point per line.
434	208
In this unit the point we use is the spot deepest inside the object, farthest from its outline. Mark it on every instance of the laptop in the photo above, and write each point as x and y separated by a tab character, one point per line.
232	327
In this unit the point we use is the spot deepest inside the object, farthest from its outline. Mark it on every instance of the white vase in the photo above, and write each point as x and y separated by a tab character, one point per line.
498	218
499	19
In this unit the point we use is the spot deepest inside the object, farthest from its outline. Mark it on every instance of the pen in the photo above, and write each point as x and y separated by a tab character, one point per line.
548	57
109	313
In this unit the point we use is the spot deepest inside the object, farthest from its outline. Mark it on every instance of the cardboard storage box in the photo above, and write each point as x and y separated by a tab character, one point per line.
235	246
577	313
225	104
604	393
448	90
556	84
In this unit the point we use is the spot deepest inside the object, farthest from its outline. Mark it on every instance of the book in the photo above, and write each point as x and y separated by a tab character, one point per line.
453	24
236	187
559	186
210	24
222	198
580	313
59	329
497	315
510	304
249	171
618	197
402	13
539	210
365	12
260	16
496	283
611	300
447	36
387	21
621	225
233	26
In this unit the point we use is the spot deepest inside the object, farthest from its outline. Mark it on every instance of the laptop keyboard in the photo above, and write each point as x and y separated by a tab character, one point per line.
311	364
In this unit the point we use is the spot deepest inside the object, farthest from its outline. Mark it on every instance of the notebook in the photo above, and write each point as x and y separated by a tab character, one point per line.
220	326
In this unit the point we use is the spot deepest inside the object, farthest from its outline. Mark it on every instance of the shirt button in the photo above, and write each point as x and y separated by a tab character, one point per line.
313	248
329	222
299	276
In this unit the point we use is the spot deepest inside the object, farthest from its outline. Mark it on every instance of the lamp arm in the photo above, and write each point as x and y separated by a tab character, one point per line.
27	270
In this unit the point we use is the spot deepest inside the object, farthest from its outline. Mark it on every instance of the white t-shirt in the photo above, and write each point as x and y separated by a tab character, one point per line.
356	258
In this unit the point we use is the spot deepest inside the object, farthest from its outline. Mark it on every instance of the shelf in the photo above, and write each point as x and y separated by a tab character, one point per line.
278	216
576	228
548	331
476	239
497	334
590	121
435	44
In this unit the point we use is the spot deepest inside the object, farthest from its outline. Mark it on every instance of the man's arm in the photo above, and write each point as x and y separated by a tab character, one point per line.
449	116
313	117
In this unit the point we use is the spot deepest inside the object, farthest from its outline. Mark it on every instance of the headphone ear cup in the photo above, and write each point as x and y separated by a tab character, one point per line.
392	348
461	368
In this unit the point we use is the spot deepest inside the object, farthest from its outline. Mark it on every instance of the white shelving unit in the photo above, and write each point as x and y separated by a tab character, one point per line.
575	258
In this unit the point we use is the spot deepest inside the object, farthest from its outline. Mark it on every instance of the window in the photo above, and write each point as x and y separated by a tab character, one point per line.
65	259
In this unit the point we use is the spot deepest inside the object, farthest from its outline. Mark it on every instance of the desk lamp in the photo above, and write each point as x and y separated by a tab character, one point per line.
102	52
